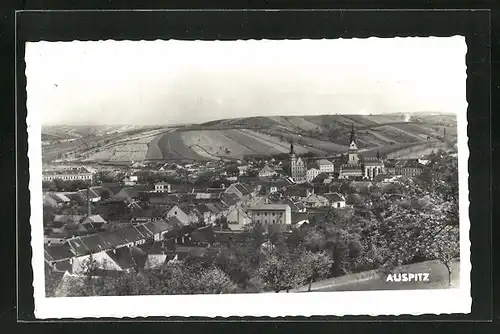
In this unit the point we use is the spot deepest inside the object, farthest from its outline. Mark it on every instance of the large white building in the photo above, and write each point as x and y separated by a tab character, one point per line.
67	174
325	166
270	214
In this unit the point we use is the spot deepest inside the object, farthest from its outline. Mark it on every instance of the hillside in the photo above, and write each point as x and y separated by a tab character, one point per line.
392	134
373	280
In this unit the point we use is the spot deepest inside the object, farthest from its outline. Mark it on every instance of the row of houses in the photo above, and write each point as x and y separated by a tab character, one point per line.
75	251
67	174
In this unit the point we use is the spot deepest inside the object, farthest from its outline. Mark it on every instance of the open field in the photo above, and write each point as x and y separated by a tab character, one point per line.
230	144
438	279
234	138
131	145
216	143
418	151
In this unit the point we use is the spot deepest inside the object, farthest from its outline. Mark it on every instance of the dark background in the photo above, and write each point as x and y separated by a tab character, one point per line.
16	295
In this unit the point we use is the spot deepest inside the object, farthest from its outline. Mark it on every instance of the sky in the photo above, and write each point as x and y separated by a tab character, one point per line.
173	82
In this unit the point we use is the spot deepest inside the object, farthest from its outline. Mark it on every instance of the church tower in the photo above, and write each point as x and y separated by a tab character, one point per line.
353	148
297	167
293	160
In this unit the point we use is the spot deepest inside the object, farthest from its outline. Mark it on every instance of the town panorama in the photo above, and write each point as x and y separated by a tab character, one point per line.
250	205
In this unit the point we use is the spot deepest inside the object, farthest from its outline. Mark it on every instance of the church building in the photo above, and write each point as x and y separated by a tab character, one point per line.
357	167
297	167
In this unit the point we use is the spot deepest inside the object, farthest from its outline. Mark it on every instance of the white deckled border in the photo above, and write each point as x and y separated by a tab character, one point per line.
415	302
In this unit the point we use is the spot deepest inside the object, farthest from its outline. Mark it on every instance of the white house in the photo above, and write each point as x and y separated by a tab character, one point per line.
336	200
325	166
176	211
162	187
312	173
237	219
270	214
267	171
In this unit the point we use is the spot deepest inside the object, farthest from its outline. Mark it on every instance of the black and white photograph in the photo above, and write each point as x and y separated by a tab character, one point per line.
249	177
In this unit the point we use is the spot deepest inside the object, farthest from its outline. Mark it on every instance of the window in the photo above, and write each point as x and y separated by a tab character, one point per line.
258	221
265	214
258	213
274	214
274	221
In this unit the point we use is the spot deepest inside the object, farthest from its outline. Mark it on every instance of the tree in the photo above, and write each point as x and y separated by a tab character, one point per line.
314	266
105	194
89	267
445	248
59	184
419	226
214	281
279	272
49	186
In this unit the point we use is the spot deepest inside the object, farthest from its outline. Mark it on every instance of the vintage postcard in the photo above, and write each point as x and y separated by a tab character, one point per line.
249	177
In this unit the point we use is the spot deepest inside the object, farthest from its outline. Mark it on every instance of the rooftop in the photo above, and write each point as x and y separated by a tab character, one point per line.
324	162
334	197
162	184
270	207
80	170
96	219
57	252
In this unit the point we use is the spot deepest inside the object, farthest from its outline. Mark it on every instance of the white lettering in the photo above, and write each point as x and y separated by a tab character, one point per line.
408	277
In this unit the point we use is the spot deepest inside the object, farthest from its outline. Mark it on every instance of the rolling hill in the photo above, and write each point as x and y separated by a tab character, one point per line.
239	137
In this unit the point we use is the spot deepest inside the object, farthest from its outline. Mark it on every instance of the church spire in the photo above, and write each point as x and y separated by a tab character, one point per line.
352	144
353	134
291	148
